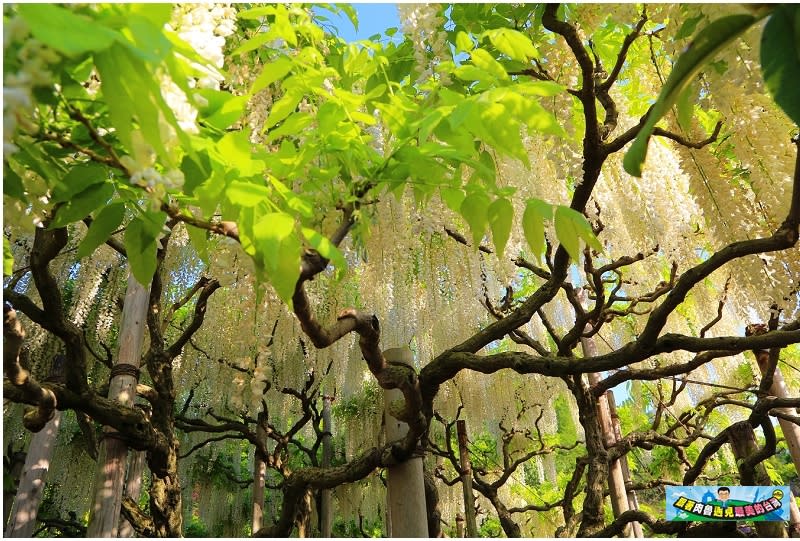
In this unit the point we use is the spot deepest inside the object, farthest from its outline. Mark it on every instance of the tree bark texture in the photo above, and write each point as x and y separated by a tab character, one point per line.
326	503
405	481
616	480
743	442
597	471
466	479
31	485
104	519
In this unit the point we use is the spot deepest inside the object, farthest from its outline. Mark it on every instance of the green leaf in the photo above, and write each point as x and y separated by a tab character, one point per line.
247	194
12	184
536	212
512	43
195	171
293	125
83	204
685	107
141	247
688	26
464	43
65	31
485	61
279	250
8	257
452	197
262	38
272	71
501	216
235	149
780	59
468	72
326	249
78	179
199	239
283	107
105	223
120	103
228	113
256	13
530	112
705	46
474	210
571	226
567	232
297	202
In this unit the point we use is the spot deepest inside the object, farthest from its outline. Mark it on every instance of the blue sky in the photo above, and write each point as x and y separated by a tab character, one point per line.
372	19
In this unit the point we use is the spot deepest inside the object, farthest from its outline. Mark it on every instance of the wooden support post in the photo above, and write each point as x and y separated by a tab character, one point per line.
794	516
459	526
112	459
466	479
16	461
326	509
133	488
259	473
34	471
405	482
633	501
743	442
791	432
133	484
31	485
616	481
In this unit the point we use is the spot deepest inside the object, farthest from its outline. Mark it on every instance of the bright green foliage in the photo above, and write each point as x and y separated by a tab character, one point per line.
571	227
106	222
536	212
322	124
780	59
8	258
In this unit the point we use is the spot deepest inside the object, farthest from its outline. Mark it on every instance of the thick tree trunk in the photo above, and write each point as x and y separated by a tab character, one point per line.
303	519
616	480
405	482
510	527
597	471
326	507
31	484
432	504
633	501
165	498
105	514
743	442
466	479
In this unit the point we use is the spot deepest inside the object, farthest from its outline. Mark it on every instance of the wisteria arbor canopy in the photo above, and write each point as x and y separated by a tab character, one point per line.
542	202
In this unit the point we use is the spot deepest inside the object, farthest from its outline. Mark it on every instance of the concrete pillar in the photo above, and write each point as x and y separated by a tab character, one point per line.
405	482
